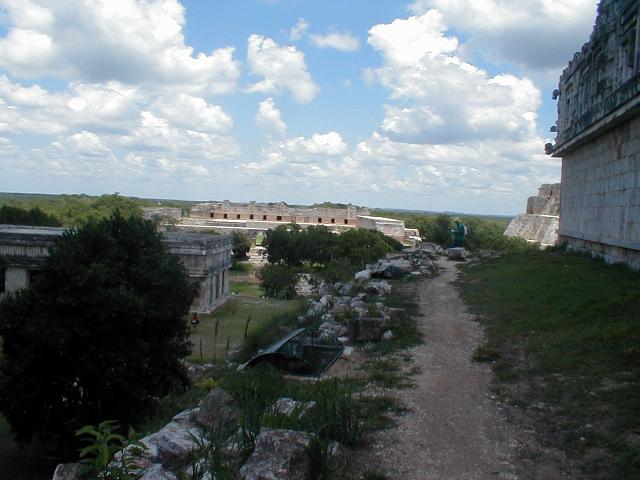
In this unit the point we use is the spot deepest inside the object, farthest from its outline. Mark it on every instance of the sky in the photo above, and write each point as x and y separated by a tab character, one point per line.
441	105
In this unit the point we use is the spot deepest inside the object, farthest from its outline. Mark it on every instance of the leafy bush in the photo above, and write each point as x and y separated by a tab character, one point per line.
98	335
360	247
278	281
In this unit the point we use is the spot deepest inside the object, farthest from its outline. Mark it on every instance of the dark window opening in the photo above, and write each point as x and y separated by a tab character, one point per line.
251	217
225	215
211	214
346	222
264	217
319	219
333	220
279	217
238	216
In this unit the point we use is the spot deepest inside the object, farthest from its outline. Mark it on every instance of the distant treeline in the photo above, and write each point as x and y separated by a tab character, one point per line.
70	210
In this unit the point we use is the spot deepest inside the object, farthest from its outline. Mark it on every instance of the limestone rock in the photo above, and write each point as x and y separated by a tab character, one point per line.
362	276
456	253
187	416
315	308
158	472
279	455
347	289
68	471
388	335
218	410
177	443
290	407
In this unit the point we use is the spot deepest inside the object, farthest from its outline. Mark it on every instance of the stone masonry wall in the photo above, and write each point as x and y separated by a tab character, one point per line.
600	208
540	223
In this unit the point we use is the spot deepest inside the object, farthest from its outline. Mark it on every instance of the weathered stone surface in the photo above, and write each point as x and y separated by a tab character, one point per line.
290	407
456	253
158	472
402	264
177	443
68	471
186	416
279	455
326	301
332	329
218	410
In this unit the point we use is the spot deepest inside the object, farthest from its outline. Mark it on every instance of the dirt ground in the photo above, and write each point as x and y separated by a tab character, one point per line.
454	429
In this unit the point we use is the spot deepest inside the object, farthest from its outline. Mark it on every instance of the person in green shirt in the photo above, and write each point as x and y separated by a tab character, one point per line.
459	233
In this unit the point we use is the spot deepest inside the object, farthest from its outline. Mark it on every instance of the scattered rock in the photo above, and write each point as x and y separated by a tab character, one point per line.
346	353
279	455
218	410
347	289
388	335
315	309
187	416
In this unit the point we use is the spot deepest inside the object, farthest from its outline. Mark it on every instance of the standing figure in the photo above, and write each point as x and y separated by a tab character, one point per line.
459	233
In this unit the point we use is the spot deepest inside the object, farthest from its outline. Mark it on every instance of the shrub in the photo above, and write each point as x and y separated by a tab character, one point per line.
100	333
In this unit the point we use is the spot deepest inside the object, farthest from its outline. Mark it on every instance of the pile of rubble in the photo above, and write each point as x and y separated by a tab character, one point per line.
183	448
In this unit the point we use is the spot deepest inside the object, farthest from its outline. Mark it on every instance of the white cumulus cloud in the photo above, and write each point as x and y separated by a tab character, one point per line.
283	68
343	41
268	117
299	29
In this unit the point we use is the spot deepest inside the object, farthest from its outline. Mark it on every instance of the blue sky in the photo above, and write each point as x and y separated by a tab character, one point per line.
430	104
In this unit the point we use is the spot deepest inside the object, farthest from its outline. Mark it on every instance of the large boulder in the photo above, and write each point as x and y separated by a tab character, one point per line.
315	309
402	264
176	444
279	455
290	407
158	472
218	411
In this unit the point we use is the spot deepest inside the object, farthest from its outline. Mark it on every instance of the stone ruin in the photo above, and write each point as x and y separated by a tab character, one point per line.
540	223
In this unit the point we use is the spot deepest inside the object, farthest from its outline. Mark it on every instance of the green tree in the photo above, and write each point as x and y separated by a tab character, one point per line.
440	231
278	281
98	335
359	247
241	244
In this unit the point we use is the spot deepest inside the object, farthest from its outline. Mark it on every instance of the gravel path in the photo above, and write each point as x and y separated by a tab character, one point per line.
454	429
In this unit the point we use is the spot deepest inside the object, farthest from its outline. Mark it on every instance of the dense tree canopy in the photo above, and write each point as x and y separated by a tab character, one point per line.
34	216
98	335
241	244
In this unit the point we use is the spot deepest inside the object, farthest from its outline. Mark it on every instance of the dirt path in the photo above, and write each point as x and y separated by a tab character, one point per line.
454	430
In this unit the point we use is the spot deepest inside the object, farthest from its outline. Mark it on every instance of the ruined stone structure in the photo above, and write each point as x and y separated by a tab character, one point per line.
540	222
24	250
599	138
162	213
207	258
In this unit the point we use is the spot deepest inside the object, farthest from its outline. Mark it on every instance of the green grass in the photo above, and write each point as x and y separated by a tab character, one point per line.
564	332
231	320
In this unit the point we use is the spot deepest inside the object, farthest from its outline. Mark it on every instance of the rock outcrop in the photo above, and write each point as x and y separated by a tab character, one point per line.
541	221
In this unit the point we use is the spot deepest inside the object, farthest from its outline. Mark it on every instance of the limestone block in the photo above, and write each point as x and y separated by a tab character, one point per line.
218	410
279	454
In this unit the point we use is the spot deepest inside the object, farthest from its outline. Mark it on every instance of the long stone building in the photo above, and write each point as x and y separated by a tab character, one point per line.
207	259
598	138
256	218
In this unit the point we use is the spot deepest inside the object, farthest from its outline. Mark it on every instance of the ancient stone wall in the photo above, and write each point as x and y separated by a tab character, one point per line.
599	138
540	223
600	209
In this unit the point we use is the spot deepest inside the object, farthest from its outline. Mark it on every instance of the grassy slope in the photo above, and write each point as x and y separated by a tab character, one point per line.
564	332
232	319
